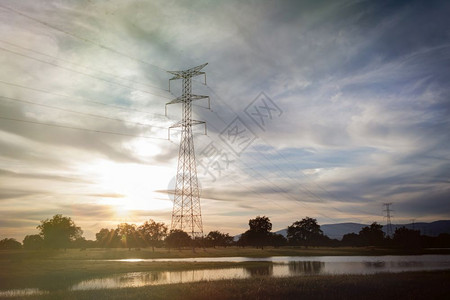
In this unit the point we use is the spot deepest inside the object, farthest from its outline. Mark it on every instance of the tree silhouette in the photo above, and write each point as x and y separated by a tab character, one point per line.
108	238
407	238
304	232
59	231
372	235
129	237
177	239
351	239
277	240
152	233
260	224
217	238
9	244
259	233
33	242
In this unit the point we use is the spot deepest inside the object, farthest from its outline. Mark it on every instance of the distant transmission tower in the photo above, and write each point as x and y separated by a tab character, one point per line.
186	214
388	219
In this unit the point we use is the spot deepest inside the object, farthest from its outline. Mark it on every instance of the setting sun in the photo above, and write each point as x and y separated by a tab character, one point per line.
131	187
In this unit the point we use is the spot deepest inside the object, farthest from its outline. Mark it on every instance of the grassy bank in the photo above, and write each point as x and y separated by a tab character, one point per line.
147	253
418	285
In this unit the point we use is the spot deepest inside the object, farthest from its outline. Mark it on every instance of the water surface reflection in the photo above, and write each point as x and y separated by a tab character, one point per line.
305	267
280	267
254	271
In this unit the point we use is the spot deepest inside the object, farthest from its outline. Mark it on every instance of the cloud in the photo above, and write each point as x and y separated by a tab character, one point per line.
362	86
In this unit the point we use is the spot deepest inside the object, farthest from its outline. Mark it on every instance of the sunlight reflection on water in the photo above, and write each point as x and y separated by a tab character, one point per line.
22	293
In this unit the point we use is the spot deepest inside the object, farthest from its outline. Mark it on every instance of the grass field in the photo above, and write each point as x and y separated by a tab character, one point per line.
57	270
120	253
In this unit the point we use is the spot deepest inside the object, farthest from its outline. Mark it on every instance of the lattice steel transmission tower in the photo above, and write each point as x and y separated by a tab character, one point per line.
186	214
388	211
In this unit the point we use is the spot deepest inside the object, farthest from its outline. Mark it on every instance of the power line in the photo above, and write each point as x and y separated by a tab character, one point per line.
82	129
280	154
81	38
83	98
304	188
80	113
80	65
279	190
311	194
82	73
275	188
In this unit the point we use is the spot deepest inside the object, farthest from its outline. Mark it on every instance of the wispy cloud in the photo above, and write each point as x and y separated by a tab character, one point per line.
362	86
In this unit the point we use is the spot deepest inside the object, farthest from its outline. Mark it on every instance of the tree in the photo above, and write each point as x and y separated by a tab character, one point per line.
407	238
351	239
9	244
82	243
177	239
216	238
304	232
259	233
260	224
59	231
372	235
108	238
243	240
152	233
33	242
128	235
443	240
277	240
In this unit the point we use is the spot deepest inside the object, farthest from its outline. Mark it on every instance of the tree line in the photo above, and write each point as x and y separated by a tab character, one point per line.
61	232
307	233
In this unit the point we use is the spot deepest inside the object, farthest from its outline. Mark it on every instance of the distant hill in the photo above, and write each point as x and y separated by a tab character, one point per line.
431	229
337	231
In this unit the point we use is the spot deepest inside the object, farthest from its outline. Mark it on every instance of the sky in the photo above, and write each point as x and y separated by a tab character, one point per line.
325	109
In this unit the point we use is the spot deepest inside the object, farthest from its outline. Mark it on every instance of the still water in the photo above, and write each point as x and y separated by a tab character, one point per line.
283	266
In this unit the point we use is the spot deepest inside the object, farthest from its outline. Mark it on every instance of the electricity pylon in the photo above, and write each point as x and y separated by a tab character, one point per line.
388	219
186	214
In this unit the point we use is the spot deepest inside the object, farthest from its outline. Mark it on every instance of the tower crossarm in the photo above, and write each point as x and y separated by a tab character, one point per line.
176	100
195	71
192	98
193	122
186	74
180	124
177	124
199	97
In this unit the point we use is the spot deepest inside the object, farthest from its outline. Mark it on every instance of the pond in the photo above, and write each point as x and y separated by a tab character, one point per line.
282	266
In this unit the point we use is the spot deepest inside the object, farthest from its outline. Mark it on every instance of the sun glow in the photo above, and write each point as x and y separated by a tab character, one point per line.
131	187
